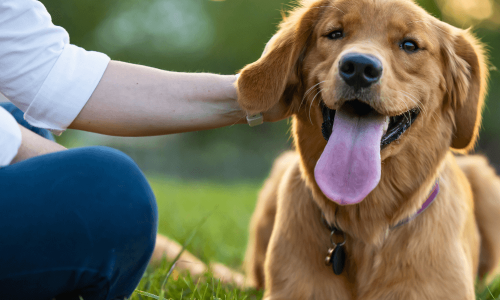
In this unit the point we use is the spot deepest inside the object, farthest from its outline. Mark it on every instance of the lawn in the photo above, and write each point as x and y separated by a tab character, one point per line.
222	237
228	208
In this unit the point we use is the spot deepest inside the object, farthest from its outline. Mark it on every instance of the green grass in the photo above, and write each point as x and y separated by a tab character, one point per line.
221	237
157	284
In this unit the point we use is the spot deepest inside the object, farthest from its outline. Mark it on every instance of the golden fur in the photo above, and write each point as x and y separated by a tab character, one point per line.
438	254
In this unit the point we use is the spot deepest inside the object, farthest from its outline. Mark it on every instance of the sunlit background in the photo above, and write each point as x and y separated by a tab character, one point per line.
221	37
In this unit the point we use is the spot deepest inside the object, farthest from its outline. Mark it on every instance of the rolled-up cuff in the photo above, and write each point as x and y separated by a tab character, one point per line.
10	138
66	89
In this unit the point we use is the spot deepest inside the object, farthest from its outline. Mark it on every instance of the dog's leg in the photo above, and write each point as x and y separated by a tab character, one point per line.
294	265
485	186
262	222
261	228
169	249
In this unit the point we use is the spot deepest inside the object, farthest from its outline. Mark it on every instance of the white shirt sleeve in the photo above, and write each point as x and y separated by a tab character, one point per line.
40	72
10	137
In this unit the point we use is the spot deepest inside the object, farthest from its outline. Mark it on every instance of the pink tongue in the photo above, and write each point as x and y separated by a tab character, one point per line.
349	168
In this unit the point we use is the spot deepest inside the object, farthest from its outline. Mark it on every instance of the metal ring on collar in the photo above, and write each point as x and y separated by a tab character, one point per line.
335	244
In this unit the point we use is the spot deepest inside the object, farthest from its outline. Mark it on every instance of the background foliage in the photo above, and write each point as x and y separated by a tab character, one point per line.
221	37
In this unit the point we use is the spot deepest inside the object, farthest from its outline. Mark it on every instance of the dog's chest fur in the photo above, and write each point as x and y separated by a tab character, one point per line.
381	260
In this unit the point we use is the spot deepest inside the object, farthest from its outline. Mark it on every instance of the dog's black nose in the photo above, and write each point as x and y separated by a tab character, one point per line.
360	70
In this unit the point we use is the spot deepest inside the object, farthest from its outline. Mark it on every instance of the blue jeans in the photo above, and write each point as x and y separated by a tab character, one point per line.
80	222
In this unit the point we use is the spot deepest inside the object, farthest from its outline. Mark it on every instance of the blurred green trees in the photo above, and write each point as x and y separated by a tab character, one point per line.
177	35
221	37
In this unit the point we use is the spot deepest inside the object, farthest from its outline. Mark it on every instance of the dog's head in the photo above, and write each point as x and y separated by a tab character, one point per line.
389	86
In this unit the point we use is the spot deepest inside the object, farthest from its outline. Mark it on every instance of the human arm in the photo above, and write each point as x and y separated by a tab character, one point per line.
172	102
34	145
52	81
134	100
18	143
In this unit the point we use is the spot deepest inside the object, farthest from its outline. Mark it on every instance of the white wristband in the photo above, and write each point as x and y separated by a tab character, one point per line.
255	120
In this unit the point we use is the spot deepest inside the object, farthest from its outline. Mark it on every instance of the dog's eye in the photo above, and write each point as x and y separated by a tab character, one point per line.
335	35
409	46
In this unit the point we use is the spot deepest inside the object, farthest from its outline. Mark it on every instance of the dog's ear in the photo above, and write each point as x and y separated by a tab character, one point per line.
262	83
466	75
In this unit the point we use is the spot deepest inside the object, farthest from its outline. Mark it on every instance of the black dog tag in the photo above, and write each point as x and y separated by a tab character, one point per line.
336	255
338	260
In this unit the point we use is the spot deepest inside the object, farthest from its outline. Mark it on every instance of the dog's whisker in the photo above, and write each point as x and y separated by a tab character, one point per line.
421	107
304	100
310	106
412	98
407	110
308	91
391	99
306	95
417	102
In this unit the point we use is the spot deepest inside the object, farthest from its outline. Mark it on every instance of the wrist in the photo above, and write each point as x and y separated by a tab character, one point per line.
234	112
231	91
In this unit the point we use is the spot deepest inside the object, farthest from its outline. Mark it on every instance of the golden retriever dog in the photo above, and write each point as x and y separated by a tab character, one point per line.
373	204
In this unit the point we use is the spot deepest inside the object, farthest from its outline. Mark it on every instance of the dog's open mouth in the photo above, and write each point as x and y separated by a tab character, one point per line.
397	125
349	167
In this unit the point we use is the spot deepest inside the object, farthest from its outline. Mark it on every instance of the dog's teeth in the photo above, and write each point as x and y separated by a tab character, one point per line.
386	125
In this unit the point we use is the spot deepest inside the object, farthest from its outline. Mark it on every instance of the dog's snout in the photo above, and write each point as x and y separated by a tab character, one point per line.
360	70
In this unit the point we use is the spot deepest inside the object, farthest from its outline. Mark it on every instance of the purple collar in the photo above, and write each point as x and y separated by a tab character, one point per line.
432	196
336	254
430	199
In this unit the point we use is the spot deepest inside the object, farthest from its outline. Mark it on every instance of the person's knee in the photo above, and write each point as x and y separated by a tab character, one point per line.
87	209
123	178
124	194
127	205
110	167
